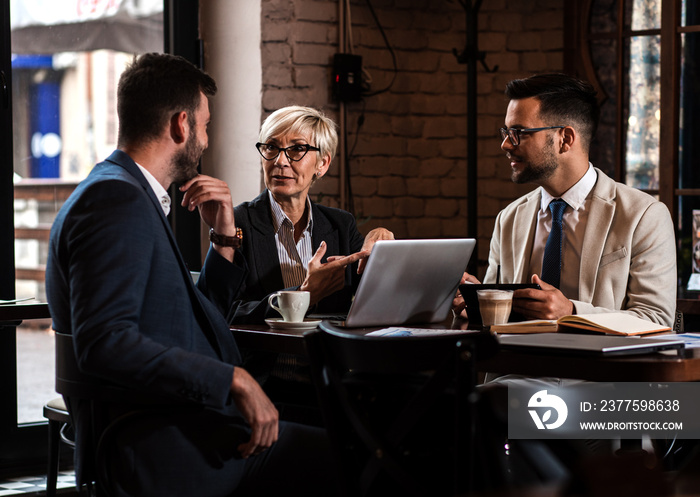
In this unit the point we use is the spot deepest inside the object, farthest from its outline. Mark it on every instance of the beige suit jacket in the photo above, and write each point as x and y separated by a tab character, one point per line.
628	258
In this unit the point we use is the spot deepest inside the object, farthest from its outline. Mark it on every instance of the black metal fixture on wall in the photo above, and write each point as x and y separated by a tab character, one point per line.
470	56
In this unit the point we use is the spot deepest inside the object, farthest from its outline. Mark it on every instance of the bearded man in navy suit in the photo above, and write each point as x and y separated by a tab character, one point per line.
117	282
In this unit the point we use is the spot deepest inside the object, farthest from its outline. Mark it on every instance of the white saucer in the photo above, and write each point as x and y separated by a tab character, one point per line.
280	324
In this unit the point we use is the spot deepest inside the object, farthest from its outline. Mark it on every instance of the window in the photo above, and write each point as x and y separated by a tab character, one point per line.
641	54
59	61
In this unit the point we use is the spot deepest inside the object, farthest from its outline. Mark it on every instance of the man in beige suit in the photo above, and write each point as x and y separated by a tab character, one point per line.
618	248
617	245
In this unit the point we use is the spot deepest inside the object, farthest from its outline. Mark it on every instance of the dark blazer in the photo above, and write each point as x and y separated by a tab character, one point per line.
116	280
334	226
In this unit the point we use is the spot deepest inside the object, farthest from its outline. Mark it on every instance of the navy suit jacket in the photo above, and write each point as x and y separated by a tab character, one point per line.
116	280
334	226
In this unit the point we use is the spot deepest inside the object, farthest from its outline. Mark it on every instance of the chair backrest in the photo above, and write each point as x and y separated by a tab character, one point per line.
101	425
73	383
399	410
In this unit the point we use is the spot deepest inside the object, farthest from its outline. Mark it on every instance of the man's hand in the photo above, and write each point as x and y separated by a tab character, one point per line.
258	411
213	198
458	303
325	279
547	303
370	240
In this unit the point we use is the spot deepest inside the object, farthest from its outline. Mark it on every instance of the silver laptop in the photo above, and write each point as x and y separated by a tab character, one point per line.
581	344
409	281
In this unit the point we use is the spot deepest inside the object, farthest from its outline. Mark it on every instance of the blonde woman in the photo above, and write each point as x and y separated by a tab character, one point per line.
289	241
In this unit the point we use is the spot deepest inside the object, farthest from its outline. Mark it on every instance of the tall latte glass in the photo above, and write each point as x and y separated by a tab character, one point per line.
495	306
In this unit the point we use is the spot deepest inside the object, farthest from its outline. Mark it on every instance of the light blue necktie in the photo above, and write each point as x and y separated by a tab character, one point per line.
551	263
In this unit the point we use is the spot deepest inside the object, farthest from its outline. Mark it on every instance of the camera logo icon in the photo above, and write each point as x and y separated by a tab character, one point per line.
546	404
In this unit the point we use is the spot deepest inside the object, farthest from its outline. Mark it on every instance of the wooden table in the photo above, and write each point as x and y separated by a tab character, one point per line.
13	314
664	366
262	337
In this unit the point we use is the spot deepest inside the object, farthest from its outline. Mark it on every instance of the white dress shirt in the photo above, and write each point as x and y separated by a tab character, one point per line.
574	227
161	193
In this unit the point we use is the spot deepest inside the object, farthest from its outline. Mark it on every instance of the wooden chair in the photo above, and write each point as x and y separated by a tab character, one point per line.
399	410
57	414
74	385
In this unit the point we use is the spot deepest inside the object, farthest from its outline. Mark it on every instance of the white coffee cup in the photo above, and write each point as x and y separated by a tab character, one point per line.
292	304
494	306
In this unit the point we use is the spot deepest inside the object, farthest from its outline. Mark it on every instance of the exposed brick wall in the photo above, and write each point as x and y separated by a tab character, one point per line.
521	38
408	169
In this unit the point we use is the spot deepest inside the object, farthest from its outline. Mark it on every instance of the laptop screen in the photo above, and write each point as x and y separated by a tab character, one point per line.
409	281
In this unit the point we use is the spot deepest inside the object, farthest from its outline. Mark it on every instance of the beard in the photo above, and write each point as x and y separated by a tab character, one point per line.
185	163
541	168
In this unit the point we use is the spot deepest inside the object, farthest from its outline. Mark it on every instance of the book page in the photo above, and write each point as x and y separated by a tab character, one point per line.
618	323
531	326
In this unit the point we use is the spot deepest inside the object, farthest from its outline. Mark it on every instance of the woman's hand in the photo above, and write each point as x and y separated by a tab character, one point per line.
370	240
322	279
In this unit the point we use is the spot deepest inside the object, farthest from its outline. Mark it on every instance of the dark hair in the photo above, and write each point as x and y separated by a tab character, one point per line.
564	100
152	89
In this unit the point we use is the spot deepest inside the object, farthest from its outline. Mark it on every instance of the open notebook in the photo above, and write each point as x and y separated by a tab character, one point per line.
409	281
610	323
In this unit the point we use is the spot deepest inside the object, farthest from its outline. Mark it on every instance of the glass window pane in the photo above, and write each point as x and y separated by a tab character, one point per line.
689	125
643	122
604	58
642	14
688	149
690	13
603	16
66	60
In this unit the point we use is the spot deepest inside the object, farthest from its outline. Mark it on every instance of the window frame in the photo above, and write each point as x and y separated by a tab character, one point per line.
579	61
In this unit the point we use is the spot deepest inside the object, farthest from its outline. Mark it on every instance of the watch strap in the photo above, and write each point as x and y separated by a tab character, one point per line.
226	241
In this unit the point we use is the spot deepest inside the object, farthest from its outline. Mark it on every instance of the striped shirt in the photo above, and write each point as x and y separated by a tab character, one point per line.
294	257
294	262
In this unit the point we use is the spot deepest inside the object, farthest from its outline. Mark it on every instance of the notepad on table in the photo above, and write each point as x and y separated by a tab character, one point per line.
611	323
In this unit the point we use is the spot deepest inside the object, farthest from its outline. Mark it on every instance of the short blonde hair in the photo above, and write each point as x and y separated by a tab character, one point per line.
303	120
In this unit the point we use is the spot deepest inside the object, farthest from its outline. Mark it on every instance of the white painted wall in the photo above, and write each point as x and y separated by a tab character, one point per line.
231	34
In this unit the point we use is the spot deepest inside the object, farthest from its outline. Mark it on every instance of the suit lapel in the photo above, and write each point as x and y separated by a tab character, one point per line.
524	225
267	262
599	220
123	160
323	230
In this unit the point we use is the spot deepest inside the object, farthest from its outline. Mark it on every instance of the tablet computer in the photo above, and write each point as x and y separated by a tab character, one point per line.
468	292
